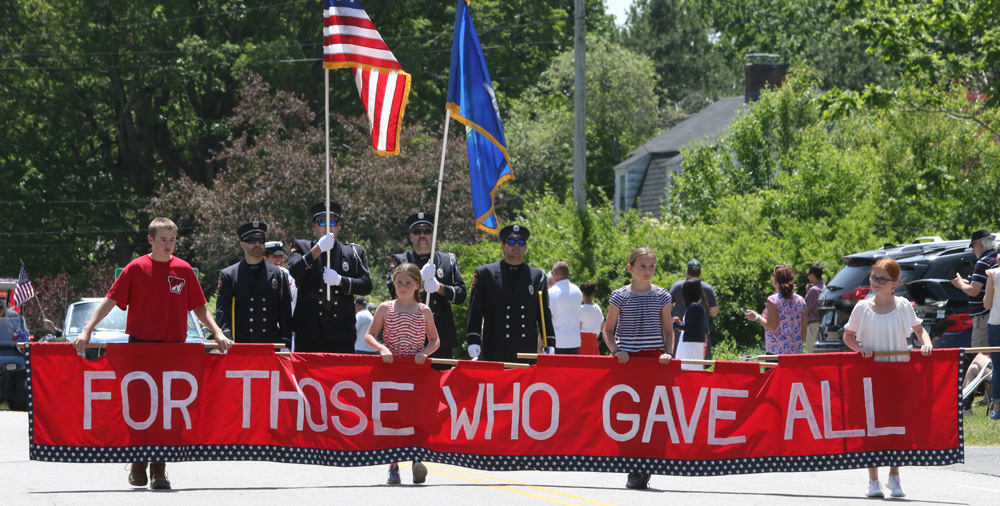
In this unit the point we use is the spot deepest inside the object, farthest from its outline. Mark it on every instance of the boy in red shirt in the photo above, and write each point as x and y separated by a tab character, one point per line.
158	290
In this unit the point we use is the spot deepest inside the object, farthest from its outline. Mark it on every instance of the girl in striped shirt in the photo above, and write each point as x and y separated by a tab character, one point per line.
407	322
639	319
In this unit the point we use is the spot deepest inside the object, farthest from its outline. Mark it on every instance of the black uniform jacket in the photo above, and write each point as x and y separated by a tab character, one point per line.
316	319
263	305
504	312
448	274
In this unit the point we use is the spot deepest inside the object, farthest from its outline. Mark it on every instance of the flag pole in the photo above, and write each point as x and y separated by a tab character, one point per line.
326	122
437	206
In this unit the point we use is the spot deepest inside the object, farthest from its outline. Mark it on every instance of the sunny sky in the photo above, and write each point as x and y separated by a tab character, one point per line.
619	9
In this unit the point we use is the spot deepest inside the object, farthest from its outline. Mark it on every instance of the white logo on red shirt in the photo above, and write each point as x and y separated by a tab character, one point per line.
176	284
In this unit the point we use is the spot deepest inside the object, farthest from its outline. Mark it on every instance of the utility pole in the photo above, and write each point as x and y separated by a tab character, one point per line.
580	108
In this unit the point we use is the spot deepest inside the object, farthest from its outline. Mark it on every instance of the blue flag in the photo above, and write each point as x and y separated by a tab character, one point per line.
472	102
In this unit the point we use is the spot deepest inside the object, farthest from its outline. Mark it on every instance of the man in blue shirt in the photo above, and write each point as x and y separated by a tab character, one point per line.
983	246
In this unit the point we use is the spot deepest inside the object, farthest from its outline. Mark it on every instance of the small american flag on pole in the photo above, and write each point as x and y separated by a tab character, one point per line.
24	290
350	40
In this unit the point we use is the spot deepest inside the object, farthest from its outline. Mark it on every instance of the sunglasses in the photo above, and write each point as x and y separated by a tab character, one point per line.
518	242
421	231
322	222
878	280
253	240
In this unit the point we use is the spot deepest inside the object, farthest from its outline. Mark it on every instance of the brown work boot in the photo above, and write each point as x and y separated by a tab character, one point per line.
137	474
158	476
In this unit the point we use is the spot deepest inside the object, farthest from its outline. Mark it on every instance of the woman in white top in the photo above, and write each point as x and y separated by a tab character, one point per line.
991	301
882	323
591	320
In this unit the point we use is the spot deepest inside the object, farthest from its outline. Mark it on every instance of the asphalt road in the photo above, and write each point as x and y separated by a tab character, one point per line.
26	482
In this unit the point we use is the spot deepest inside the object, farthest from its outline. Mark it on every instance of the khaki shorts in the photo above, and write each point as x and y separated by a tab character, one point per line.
979	338
812	330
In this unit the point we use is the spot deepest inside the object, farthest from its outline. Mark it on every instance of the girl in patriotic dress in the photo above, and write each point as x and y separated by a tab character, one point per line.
882	323
639	322
405	323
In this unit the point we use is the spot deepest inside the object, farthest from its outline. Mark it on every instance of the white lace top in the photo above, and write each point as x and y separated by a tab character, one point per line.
884	332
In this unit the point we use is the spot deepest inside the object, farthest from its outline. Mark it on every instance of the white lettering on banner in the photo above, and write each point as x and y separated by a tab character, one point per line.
154	397
714	413
277	394
492	407
828	431
632	418
316	427
378	407
526	417
246	376
870	414
89	395
460	419
335	400
798	397
660	399
660	411
169	403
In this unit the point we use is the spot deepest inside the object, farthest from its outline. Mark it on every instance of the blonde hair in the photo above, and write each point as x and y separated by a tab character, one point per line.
640	252
161	224
412	271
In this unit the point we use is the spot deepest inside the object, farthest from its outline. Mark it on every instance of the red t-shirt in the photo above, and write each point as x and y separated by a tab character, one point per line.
158	296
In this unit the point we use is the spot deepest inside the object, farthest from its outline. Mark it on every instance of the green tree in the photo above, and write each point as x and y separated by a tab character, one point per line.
622	113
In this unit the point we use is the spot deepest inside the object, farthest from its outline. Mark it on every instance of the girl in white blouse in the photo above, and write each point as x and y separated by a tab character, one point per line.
882	323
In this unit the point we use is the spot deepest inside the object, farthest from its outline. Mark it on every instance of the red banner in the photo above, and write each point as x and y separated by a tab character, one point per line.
173	402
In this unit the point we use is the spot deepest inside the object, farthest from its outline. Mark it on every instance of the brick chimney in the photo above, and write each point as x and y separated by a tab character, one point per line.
761	70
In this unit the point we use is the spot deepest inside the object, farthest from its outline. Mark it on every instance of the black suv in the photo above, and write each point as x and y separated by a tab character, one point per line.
927	257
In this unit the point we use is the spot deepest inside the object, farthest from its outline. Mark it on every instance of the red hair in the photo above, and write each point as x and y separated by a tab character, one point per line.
890	266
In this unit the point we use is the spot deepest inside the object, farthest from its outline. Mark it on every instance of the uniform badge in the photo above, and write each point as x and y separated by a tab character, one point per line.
475	279
531	289
219	289
274	283
420	216
346	265
517	228
440	273
393	262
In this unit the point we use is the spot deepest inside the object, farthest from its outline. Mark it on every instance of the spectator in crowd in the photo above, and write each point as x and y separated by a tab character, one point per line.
564	302
680	305
406	324
274	254
363	321
992	299
693	339
883	323
983	246
813	290
508	304
981	362
591	320
158	290
12	320
784	317
325	323
639	323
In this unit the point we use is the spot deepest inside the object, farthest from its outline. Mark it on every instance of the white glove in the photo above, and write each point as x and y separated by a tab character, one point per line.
325	243
427	272
474	350
331	277
431	285
551	350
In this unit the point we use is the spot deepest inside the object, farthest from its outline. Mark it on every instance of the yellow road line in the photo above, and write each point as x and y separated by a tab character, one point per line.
448	471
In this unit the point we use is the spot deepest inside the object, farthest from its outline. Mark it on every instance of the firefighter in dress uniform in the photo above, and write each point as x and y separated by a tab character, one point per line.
254	304
442	279
509	304
323	325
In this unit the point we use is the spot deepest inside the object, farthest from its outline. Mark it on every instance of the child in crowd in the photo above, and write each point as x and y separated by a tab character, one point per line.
406	323
639	319
694	326
882	323
591	320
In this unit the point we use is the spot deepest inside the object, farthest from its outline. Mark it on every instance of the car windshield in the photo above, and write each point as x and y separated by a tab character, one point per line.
115	321
851	276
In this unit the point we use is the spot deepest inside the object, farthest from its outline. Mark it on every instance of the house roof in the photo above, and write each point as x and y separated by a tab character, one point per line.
707	124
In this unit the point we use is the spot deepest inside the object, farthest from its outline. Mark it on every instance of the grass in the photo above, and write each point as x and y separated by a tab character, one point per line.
980	430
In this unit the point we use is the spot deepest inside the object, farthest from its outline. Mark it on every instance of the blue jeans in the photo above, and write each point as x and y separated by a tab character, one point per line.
993	337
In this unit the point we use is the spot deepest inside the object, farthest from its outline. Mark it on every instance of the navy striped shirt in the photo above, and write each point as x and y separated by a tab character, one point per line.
640	326
987	261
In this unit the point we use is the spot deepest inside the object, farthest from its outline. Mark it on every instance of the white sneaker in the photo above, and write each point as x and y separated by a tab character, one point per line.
875	489
895	487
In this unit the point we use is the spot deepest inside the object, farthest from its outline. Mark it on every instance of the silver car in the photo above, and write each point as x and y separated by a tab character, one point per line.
112	328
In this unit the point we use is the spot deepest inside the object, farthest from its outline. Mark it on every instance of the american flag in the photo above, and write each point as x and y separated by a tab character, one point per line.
350	40
24	291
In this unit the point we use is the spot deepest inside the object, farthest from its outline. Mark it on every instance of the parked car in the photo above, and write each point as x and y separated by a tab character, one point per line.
944	308
851	284
112	328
